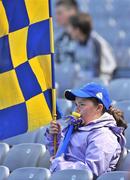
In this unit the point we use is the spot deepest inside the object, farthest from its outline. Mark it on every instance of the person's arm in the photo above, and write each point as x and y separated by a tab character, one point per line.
102	145
49	141
54	129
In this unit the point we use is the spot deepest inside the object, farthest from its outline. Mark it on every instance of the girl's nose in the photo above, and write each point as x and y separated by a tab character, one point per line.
77	109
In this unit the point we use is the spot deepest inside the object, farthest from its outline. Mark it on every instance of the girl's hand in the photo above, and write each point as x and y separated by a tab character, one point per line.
55	127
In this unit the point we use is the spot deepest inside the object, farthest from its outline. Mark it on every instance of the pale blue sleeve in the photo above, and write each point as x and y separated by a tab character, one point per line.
49	141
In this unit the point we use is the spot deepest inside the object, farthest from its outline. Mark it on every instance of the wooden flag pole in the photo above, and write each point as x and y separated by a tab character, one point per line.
54	117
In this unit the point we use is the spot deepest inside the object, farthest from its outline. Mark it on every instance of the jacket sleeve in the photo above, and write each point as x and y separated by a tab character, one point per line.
100	150
49	141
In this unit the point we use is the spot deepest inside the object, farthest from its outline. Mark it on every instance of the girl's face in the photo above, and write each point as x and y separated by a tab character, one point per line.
88	110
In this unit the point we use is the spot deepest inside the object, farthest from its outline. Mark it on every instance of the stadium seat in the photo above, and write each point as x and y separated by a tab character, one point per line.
115	175
84	80
127	135
4	148
28	173
24	155
66	75
28	137
122	157
119	89
122	73
4	173
45	161
36	136
125	107
113	25
125	164
72	174
40	138
123	59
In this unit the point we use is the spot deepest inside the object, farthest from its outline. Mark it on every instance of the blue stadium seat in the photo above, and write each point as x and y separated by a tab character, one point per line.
66	75
115	175
122	72
113	25
72	174
127	135
4	173
24	155
122	56
84	80
125	164
36	136
28	173
119	89
29	137
45	160
4	149
122	157
40	138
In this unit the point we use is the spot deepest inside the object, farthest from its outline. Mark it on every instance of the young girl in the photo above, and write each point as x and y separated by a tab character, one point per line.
97	144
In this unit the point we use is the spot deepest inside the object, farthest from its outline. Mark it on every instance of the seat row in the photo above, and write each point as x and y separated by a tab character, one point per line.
34	173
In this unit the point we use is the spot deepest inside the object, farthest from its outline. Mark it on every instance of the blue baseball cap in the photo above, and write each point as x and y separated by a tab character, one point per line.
90	90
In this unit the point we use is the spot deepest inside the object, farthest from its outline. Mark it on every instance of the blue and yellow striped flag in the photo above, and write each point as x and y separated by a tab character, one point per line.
26	66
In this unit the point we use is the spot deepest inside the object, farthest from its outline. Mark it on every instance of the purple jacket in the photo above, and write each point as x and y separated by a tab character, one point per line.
95	147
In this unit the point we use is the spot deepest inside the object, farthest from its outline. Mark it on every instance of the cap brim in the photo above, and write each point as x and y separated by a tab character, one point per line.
71	94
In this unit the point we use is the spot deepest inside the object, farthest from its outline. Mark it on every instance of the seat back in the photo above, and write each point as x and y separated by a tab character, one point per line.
127	135
28	173
4	173
4	149
122	157
84	80
122	73
72	174
28	137
41	135
115	175
66	75
45	161
24	155
118	89
125	164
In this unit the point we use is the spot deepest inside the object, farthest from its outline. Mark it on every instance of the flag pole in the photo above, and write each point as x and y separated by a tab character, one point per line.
54	115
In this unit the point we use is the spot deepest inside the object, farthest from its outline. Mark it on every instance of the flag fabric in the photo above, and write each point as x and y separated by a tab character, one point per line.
26	66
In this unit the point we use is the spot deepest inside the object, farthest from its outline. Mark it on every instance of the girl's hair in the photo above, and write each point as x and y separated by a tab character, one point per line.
83	21
116	113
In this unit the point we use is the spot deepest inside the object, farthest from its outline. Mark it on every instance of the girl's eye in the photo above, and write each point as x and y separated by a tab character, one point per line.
82	104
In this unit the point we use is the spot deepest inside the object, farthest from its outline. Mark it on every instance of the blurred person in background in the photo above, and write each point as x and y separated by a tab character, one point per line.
64	46
94	54
92	51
